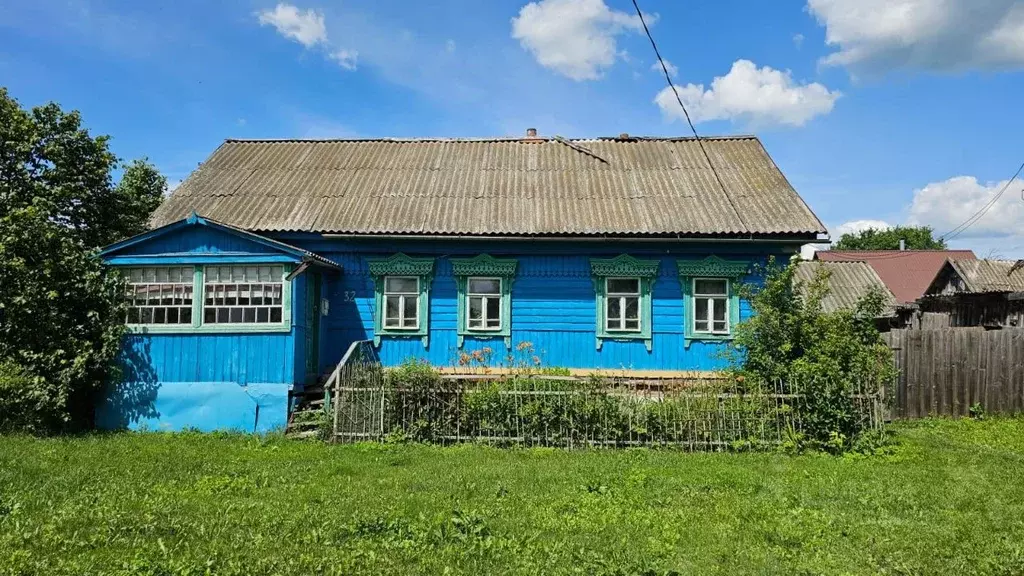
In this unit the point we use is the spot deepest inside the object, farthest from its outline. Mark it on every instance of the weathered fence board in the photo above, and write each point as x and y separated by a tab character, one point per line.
945	372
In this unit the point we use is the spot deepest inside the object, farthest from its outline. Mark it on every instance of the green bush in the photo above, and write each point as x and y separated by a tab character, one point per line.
834	361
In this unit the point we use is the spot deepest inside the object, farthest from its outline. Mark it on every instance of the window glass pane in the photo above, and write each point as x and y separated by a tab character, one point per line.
632	307
276	314
391	307
476	308
700	308
714	287
262	314
411	309
623	286
700	326
721	326
484	286
159	295
633	324
614	307
395	284
614	323
720	306
494	308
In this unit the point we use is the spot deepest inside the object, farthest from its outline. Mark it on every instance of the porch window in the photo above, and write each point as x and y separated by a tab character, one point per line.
484	303
622	304
711	305
243	295
159	295
401	302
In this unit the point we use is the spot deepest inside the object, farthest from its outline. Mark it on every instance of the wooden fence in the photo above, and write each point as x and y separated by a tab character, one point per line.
946	372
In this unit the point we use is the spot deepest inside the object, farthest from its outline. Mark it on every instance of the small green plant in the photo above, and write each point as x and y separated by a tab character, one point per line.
976	411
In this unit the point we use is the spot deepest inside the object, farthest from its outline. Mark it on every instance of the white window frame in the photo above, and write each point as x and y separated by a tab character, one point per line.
189	284
622	296
401	304
711	306
485	297
275	280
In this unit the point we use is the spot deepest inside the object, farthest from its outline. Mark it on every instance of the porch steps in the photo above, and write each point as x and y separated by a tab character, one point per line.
304	421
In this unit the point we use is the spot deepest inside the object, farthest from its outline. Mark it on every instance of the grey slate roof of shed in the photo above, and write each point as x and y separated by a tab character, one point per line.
848	283
501	187
984	276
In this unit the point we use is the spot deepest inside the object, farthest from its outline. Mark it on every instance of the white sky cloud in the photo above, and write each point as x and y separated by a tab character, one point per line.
751	94
347	59
673	71
306	28
858	226
576	38
945	205
798	40
881	35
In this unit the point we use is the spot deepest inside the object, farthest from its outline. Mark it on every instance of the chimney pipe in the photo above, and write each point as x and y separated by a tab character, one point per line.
903	244
531	132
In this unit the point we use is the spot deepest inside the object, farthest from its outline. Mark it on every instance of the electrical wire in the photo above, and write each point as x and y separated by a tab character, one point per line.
672	85
984	209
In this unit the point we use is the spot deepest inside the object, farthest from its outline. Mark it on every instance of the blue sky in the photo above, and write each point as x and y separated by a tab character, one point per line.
878	111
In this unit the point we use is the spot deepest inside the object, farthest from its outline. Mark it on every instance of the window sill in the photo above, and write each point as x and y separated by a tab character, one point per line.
505	335
210	329
691	338
625	337
393	333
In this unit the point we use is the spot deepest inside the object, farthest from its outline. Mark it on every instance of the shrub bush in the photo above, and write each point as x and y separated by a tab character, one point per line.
835	361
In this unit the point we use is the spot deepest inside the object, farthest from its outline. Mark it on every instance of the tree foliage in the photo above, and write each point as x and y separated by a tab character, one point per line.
828	358
915	238
61	313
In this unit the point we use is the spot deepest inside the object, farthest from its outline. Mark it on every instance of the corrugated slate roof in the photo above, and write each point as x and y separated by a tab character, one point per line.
848	282
982	276
906	273
515	187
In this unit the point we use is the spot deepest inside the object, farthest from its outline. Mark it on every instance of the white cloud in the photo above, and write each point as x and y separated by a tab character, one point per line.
672	69
798	40
880	35
576	38
449	46
945	205
858	226
751	94
347	59
306	28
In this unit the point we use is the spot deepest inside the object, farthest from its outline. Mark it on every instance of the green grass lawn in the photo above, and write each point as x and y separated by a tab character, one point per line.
949	500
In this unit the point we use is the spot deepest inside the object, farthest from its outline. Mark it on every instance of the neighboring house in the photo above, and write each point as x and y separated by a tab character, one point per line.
986	293
907	273
848	283
274	256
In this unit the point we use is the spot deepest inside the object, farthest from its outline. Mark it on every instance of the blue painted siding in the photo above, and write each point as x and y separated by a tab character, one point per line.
196	240
211	380
553	304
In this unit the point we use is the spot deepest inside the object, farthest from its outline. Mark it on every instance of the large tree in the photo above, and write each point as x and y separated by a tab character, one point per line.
61	313
914	237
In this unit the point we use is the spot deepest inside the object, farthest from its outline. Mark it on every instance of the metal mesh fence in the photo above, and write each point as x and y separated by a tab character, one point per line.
538	410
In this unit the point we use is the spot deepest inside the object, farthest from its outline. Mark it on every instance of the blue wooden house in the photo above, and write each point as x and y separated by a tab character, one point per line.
273	257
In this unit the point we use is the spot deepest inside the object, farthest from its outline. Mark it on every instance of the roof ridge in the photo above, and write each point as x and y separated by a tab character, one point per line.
486	139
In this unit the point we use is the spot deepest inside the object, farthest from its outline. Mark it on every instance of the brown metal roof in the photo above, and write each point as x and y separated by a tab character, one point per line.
848	282
514	187
982	276
906	273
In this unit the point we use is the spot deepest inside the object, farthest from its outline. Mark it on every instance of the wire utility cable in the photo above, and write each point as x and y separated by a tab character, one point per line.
672	85
984	209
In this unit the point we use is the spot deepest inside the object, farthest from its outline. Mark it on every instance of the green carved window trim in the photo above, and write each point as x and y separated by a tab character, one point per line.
624	266
711	267
402	265
484	266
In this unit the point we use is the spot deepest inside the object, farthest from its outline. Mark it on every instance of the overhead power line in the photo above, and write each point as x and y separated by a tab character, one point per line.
984	209
672	85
